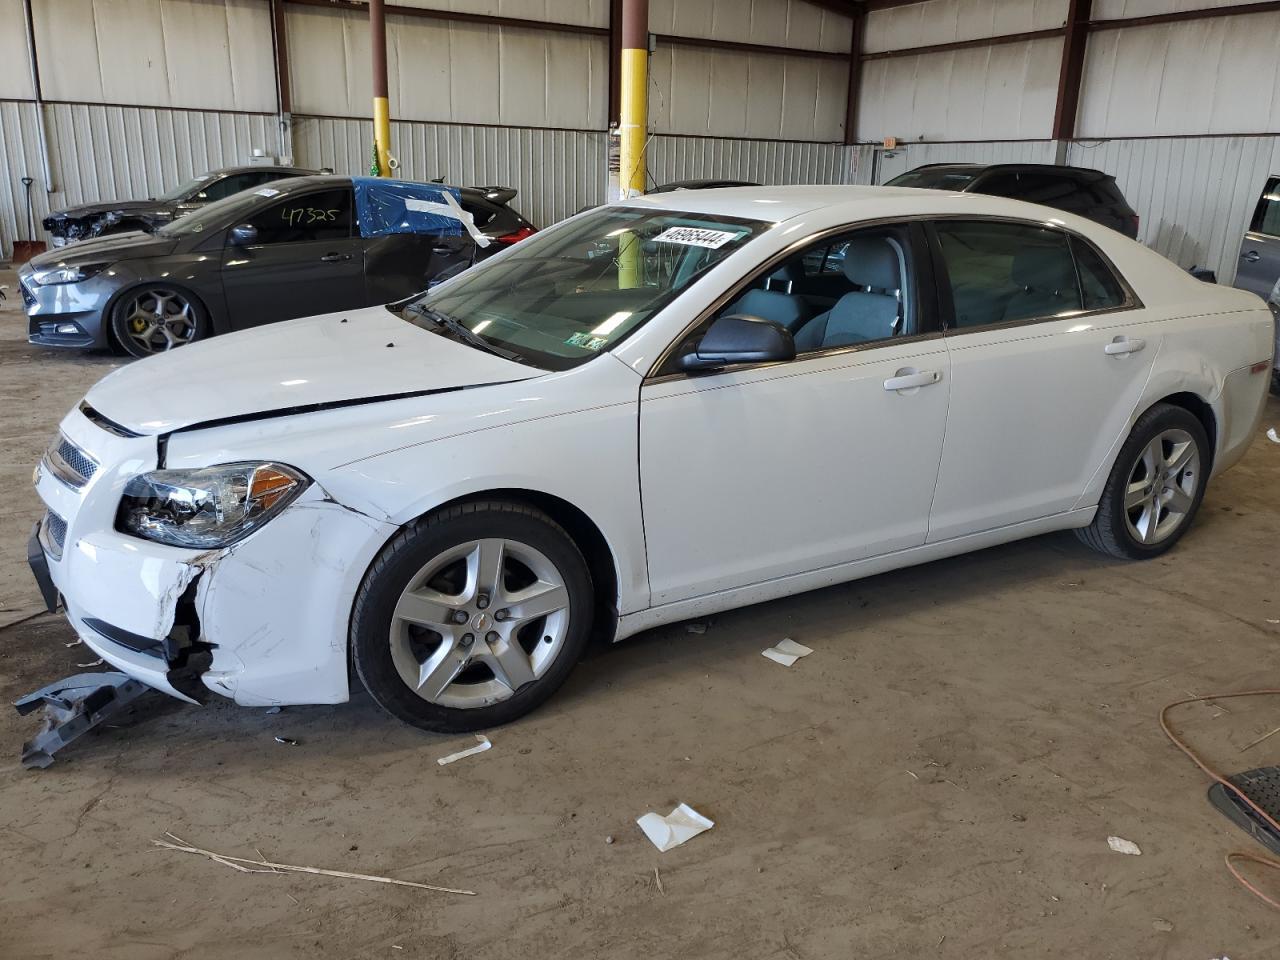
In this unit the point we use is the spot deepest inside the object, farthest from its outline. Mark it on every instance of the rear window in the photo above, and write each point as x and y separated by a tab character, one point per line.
935	178
1063	192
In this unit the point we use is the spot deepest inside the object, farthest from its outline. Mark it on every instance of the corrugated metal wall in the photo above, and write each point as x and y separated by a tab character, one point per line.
444	71
1195	196
179	53
787	23
1198	77
946	21
761	161
557	172
728	93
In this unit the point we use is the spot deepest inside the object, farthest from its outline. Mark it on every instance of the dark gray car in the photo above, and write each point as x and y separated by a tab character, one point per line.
295	248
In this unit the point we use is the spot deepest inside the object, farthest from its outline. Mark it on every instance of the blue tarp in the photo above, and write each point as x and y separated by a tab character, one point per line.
385	207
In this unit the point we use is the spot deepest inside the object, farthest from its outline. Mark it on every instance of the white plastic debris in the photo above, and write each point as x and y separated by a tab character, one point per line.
1272	435
1121	845
681	824
787	652
480	747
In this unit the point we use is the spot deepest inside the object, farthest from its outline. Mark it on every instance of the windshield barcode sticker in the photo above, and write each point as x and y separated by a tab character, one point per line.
695	237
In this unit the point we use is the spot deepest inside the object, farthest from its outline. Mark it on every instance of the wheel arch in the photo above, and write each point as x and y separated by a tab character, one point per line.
108	311
1199	408
582	530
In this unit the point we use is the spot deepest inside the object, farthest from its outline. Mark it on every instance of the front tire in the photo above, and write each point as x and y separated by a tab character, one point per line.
471	616
155	318
1155	486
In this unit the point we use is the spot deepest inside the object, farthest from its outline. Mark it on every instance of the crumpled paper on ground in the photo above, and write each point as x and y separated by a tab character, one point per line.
1121	845
787	652
681	824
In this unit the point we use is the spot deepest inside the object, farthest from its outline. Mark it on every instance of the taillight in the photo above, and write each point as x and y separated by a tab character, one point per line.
516	237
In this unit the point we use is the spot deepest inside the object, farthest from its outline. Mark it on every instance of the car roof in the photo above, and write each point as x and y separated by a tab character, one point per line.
333	179
776	203
1013	167
259	168
850	204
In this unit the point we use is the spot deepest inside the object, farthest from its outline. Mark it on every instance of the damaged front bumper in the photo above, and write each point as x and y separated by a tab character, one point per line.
263	621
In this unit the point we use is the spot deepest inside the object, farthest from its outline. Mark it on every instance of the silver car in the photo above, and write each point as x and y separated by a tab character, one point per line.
1259	268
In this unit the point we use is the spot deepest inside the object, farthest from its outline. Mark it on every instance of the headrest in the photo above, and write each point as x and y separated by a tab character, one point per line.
872	262
1043	268
782	278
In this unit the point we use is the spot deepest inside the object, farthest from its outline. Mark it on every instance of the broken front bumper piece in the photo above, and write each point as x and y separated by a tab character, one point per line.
73	707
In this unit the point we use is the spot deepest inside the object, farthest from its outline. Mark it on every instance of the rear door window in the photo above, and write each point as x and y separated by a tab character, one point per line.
324	215
1006	272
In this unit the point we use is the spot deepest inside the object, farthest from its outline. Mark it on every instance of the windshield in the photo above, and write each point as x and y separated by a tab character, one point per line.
184	190
222	212
936	178
566	294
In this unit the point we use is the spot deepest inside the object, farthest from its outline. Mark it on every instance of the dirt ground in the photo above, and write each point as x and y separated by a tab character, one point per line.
938	779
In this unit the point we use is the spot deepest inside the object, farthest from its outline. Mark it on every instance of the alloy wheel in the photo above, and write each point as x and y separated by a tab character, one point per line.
159	319
1162	486
478	622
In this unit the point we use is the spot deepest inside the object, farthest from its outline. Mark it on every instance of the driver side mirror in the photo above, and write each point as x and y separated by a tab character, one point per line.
738	338
244	234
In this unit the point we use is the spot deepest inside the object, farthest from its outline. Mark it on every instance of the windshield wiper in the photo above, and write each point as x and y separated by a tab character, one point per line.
462	332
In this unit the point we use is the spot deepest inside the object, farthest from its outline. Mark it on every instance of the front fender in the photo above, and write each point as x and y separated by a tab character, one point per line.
587	458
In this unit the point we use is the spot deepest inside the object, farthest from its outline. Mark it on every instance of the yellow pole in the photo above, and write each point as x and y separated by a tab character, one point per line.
633	104
381	105
382	134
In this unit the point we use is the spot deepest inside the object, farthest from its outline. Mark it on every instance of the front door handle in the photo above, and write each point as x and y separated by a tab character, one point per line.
1253	256
907	379
443	249
335	257
1123	346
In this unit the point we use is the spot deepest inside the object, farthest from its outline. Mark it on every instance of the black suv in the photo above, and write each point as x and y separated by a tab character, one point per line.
1086	193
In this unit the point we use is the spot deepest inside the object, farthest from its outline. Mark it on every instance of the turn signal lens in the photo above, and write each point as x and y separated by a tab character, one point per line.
269	485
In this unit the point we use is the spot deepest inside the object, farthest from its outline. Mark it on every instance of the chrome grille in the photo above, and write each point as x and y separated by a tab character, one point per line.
69	463
55	534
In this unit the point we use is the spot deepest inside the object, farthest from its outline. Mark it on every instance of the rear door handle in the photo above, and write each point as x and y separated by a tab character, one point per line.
335	257
1122	346
1253	256
907	379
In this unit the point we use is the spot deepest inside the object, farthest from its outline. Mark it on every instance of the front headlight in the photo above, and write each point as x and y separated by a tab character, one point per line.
208	507
64	273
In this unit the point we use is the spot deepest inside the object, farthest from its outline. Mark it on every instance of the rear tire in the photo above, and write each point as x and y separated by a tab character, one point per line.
471	616
1155	486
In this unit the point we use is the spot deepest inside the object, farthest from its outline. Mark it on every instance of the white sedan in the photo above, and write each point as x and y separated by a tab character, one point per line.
650	412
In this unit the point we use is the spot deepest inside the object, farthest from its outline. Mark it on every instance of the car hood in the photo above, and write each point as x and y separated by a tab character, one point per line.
109	249
112	206
316	363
